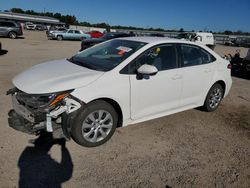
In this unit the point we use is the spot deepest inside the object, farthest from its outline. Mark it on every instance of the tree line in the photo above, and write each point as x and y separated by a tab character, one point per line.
72	20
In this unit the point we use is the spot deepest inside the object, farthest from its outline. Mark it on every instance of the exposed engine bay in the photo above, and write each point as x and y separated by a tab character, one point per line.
33	113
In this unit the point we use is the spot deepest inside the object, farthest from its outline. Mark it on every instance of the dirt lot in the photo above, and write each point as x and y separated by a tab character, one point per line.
188	149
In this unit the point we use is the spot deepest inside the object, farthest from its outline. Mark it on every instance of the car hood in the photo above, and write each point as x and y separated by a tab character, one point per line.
54	76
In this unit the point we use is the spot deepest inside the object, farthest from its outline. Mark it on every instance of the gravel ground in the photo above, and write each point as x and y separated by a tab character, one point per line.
188	149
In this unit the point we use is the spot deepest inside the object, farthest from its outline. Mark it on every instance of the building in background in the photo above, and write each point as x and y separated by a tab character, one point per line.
38	20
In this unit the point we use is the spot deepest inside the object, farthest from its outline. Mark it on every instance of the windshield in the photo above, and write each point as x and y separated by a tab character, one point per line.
106	56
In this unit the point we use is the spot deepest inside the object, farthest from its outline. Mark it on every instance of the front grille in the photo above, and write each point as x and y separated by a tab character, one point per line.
33	103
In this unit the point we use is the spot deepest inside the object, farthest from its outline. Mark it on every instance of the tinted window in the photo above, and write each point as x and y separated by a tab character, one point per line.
194	55
7	24
78	32
70	31
162	57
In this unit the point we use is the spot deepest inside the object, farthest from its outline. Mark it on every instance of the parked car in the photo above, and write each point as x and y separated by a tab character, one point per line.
70	34
242	42
10	29
40	27
116	83
29	26
111	35
230	41
95	34
55	30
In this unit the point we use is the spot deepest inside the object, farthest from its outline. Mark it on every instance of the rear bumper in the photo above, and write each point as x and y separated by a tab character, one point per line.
19	32
228	86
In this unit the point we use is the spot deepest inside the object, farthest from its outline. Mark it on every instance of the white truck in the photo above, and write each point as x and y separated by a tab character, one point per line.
29	26
201	37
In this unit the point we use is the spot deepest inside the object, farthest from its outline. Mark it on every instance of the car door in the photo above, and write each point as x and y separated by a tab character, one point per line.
69	34
77	35
198	70
152	95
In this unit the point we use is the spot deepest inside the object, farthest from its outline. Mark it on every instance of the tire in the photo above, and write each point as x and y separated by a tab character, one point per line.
95	124
213	98
59	37
12	35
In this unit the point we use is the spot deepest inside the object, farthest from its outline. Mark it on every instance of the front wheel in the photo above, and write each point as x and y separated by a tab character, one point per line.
95	124
12	35
213	98
59	37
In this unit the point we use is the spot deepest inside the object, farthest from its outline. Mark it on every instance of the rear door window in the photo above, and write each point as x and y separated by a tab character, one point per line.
194	55
9	24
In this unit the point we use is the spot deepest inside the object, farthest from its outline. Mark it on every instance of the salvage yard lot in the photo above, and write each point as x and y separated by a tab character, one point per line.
188	149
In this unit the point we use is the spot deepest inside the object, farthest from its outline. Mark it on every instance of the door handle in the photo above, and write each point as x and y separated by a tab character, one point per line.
176	77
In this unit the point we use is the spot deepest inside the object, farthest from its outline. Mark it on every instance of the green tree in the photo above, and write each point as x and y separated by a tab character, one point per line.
17	10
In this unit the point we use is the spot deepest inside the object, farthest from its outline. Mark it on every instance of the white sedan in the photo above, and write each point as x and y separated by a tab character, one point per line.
116	83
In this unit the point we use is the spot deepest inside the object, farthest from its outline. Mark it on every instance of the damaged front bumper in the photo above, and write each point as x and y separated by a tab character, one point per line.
26	118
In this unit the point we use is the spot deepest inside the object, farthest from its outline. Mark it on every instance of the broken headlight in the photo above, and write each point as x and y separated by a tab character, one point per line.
40	101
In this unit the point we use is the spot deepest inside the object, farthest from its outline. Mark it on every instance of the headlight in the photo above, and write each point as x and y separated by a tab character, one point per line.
58	98
41	101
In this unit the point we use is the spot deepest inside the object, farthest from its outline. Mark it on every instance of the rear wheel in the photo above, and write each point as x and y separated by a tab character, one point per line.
12	35
95	124
59	37
213	98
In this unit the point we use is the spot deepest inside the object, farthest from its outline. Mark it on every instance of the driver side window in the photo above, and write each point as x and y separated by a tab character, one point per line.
163	57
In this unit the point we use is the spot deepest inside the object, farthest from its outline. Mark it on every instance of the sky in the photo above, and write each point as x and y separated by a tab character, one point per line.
215	15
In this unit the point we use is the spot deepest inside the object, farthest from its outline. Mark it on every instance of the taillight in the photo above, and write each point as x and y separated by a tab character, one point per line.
229	66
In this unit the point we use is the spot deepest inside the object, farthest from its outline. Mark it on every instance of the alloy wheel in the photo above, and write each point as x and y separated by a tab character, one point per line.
97	125
215	98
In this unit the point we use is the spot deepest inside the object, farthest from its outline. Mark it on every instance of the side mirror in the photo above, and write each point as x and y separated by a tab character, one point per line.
146	69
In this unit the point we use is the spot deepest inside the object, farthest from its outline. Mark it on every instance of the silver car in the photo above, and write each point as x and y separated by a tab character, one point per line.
10	29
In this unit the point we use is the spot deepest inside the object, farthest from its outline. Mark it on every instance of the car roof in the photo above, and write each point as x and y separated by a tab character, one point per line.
149	39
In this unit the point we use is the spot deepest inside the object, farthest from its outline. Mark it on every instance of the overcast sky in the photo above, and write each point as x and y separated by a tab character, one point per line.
212	15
